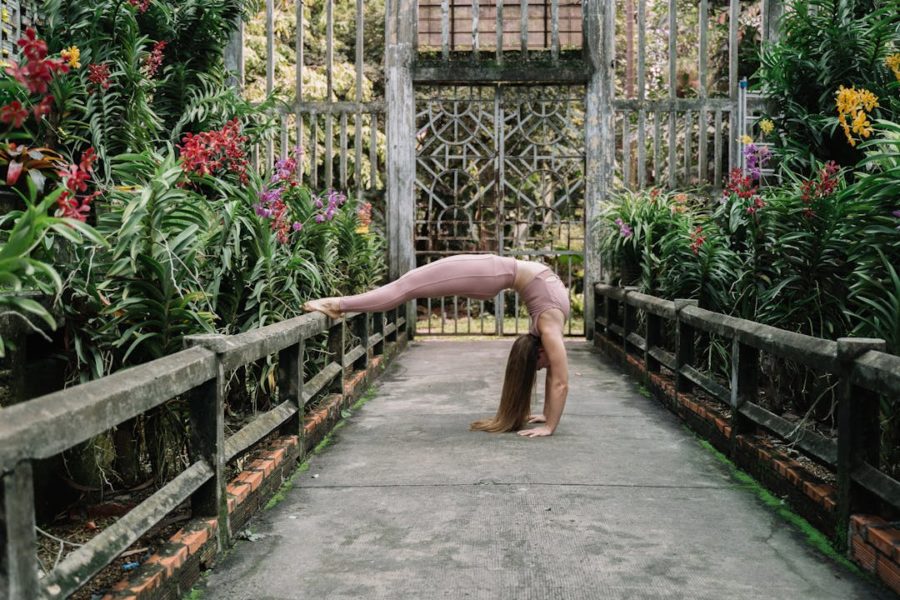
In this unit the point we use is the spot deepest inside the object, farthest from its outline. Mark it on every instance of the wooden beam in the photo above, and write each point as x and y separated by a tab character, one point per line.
490	72
18	545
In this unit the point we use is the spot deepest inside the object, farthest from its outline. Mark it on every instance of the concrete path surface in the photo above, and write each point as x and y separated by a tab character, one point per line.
621	503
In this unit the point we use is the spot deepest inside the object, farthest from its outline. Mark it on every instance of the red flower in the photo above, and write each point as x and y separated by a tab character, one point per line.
71	208
33	48
210	151
13	113
140	5
697	240
154	59
43	108
98	74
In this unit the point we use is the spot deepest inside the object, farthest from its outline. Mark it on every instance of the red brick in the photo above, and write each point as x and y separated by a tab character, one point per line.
150	582
794	475
278	455
239	490
889	572
816	491
863	522
863	554
263	464
194	540
213	525
886	539
780	466
119	597
829	503
232	503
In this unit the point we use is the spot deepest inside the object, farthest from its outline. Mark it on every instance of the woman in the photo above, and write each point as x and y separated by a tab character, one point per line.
482	277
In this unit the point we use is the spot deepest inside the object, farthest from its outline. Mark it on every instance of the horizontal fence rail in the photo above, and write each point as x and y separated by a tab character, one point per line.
863	370
46	426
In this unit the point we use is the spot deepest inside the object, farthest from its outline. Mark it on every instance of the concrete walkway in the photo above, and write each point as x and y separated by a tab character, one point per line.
621	503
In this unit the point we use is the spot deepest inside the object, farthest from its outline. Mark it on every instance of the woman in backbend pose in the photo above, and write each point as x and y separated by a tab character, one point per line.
482	277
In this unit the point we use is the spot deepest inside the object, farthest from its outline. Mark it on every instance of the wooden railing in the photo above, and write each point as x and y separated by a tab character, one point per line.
863	370
46	426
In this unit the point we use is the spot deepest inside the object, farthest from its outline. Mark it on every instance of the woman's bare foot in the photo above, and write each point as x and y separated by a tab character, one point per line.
329	306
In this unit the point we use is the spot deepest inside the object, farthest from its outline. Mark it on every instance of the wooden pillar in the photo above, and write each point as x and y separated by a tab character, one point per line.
18	545
629	317
336	350
599	48
234	55
684	345
859	432
290	384
207	421
400	27
652	339
744	385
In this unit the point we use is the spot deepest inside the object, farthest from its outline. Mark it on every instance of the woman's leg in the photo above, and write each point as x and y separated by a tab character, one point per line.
479	276
475	276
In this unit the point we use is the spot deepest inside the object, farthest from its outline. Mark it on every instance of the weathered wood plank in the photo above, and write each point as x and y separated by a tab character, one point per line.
18	544
335	108
79	413
353	355
342	165
564	73
672	104
498	28
717	151
716	390
476	42
813	352
626	151
554	30
320	380
237	350
882	485
261	426
329	151
878	371
814	444
445	30
523	27
734	14
102	549
329	50
313	148
651	304
298	73
270	46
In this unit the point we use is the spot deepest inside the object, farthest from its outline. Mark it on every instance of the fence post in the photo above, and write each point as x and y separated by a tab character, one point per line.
336	339
18	544
859	431
684	345
744	386
361	330
290	383
652	339
378	329
629	319
207	421
599	309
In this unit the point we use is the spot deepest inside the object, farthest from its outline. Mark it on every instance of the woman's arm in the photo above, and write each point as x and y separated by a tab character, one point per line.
557	386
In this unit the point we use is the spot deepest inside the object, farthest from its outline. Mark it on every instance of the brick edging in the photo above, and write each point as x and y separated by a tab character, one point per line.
875	545
176	566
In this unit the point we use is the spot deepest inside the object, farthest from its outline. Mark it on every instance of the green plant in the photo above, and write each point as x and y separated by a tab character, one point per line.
822	45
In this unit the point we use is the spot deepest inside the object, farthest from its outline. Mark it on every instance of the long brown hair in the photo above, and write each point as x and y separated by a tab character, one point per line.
518	385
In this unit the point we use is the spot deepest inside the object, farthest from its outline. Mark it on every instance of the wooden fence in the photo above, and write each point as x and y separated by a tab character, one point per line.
865	374
44	427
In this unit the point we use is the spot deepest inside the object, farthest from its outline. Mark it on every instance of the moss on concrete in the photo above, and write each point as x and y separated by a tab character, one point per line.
813	536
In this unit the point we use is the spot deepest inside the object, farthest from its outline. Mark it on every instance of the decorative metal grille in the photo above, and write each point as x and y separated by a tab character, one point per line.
501	170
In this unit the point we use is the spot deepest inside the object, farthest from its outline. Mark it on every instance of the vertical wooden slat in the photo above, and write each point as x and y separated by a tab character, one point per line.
283	150
733	16
717	150
358	152
476	48
337	336
523	27
554	35
343	163
688	135
626	150
18	543
329	150
445	30
401	151
702	158
642	94
234	56
378	321
298	84
652	339
360	45
657	173
673	73
499	29
361	330
313	148
270	71
357	118
329	49
373	149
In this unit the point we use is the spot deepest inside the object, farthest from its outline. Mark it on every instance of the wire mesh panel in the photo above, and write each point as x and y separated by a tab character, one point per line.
499	169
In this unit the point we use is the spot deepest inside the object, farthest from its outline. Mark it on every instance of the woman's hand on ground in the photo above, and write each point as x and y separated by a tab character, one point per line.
536	432
537	419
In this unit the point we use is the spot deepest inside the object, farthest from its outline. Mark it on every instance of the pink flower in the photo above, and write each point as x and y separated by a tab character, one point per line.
154	59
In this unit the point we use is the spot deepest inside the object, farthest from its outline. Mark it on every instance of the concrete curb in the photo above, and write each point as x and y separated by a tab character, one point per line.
176	566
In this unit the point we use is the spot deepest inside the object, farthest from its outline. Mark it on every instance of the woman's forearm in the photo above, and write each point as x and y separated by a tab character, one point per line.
555	391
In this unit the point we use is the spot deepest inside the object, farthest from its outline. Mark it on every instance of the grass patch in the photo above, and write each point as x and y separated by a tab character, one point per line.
643	391
813	536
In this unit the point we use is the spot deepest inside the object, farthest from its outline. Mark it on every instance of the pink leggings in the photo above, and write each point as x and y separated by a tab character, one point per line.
478	276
